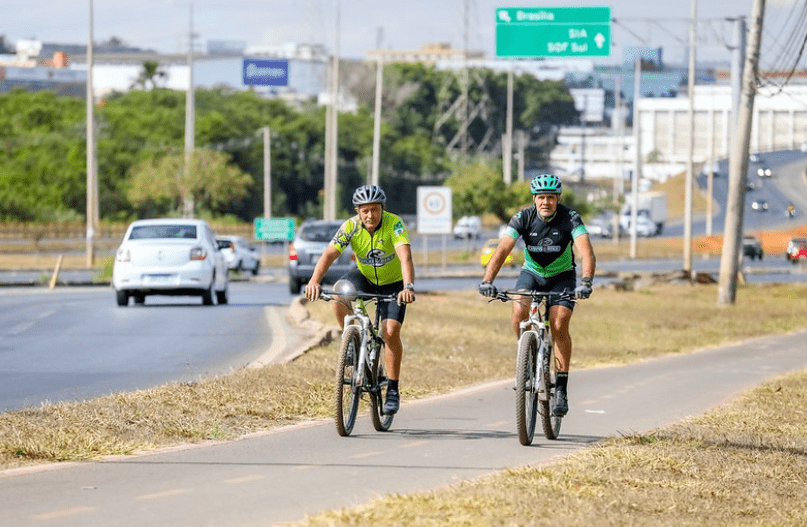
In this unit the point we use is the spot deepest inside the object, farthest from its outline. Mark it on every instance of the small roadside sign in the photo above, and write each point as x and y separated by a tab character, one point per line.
434	210
275	229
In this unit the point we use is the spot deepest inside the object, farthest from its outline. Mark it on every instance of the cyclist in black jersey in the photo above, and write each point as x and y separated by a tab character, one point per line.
552	233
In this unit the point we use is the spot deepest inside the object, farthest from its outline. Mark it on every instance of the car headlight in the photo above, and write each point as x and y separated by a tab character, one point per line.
198	253
123	255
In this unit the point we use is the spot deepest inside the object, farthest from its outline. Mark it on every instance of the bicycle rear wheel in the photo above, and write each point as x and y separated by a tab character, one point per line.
550	422
347	394
526	393
381	421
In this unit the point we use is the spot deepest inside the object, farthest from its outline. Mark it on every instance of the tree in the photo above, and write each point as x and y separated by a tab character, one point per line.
147	79
210	183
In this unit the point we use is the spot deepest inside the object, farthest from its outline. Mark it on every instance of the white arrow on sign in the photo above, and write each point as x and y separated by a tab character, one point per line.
599	40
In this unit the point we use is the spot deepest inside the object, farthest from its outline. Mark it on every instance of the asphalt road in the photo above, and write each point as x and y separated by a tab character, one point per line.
75	343
284	475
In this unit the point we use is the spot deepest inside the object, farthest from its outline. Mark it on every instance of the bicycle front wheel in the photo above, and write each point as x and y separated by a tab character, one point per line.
526	393
381	421
347	394
549	420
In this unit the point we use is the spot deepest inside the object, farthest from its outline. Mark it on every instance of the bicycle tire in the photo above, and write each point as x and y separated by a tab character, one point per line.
551	422
526	392
346	393
381	421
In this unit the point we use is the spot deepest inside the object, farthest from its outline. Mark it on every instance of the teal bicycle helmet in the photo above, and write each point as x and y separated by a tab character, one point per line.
546	184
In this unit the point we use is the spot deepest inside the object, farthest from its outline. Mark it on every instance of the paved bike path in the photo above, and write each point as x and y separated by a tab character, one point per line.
281	476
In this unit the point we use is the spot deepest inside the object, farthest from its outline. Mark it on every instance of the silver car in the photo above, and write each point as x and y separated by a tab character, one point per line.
239	254
170	257
309	243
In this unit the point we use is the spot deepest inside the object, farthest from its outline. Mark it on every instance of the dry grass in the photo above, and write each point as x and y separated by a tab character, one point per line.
744	464
451	340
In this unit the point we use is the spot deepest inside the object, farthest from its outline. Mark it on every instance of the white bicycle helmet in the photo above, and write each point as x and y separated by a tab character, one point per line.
368	194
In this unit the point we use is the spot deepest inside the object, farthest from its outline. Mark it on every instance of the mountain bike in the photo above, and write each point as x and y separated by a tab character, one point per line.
360	369
536	371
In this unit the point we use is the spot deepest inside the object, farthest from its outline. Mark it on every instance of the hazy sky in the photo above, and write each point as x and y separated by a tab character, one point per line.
401	24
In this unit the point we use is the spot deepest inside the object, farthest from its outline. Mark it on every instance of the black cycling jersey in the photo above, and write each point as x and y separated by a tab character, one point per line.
548	246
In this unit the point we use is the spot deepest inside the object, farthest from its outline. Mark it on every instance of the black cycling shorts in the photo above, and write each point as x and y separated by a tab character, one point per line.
389	308
561	282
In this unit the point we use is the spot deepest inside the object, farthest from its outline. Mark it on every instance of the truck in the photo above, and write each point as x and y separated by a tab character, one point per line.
652	204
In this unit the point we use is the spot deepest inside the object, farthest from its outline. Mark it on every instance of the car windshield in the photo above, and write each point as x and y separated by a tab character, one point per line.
318	233
150	232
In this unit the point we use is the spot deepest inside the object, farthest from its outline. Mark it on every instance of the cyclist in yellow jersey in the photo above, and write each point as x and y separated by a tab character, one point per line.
384	265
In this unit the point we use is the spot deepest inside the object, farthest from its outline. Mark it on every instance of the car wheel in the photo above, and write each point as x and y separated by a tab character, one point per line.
256	268
207	296
222	297
294	285
139	299
122	298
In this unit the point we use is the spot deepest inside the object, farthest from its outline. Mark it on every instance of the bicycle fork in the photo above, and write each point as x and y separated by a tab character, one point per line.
543	355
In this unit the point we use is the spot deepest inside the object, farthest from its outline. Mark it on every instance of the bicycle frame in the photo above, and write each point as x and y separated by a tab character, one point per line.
369	332
538	321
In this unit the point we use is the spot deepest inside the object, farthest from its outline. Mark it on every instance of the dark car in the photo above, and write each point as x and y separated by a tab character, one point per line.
309	243
796	250
752	248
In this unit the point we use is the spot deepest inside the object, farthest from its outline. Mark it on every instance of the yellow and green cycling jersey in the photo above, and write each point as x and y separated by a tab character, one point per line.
375	253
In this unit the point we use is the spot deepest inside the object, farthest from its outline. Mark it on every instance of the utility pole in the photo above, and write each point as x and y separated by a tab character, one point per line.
190	120
507	144
92	171
637	136
267	173
465	79
332	131
619	183
379	91
737	55
738	165
693	28
710	171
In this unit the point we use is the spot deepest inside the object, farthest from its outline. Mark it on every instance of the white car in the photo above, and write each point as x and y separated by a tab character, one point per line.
239	254
645	227
170	257
468	227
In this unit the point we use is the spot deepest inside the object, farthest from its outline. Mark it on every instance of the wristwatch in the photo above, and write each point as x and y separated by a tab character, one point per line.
587	280
409	286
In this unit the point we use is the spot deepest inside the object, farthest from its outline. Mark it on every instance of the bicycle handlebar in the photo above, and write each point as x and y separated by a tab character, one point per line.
511	294
329	296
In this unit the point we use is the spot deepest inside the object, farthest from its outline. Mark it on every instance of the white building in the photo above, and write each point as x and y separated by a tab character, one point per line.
779	123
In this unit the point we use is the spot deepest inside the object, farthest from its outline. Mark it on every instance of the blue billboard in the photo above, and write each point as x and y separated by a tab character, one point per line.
266	72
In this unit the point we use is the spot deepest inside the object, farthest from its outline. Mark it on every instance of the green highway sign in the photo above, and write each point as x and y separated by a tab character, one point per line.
553	32
274	229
